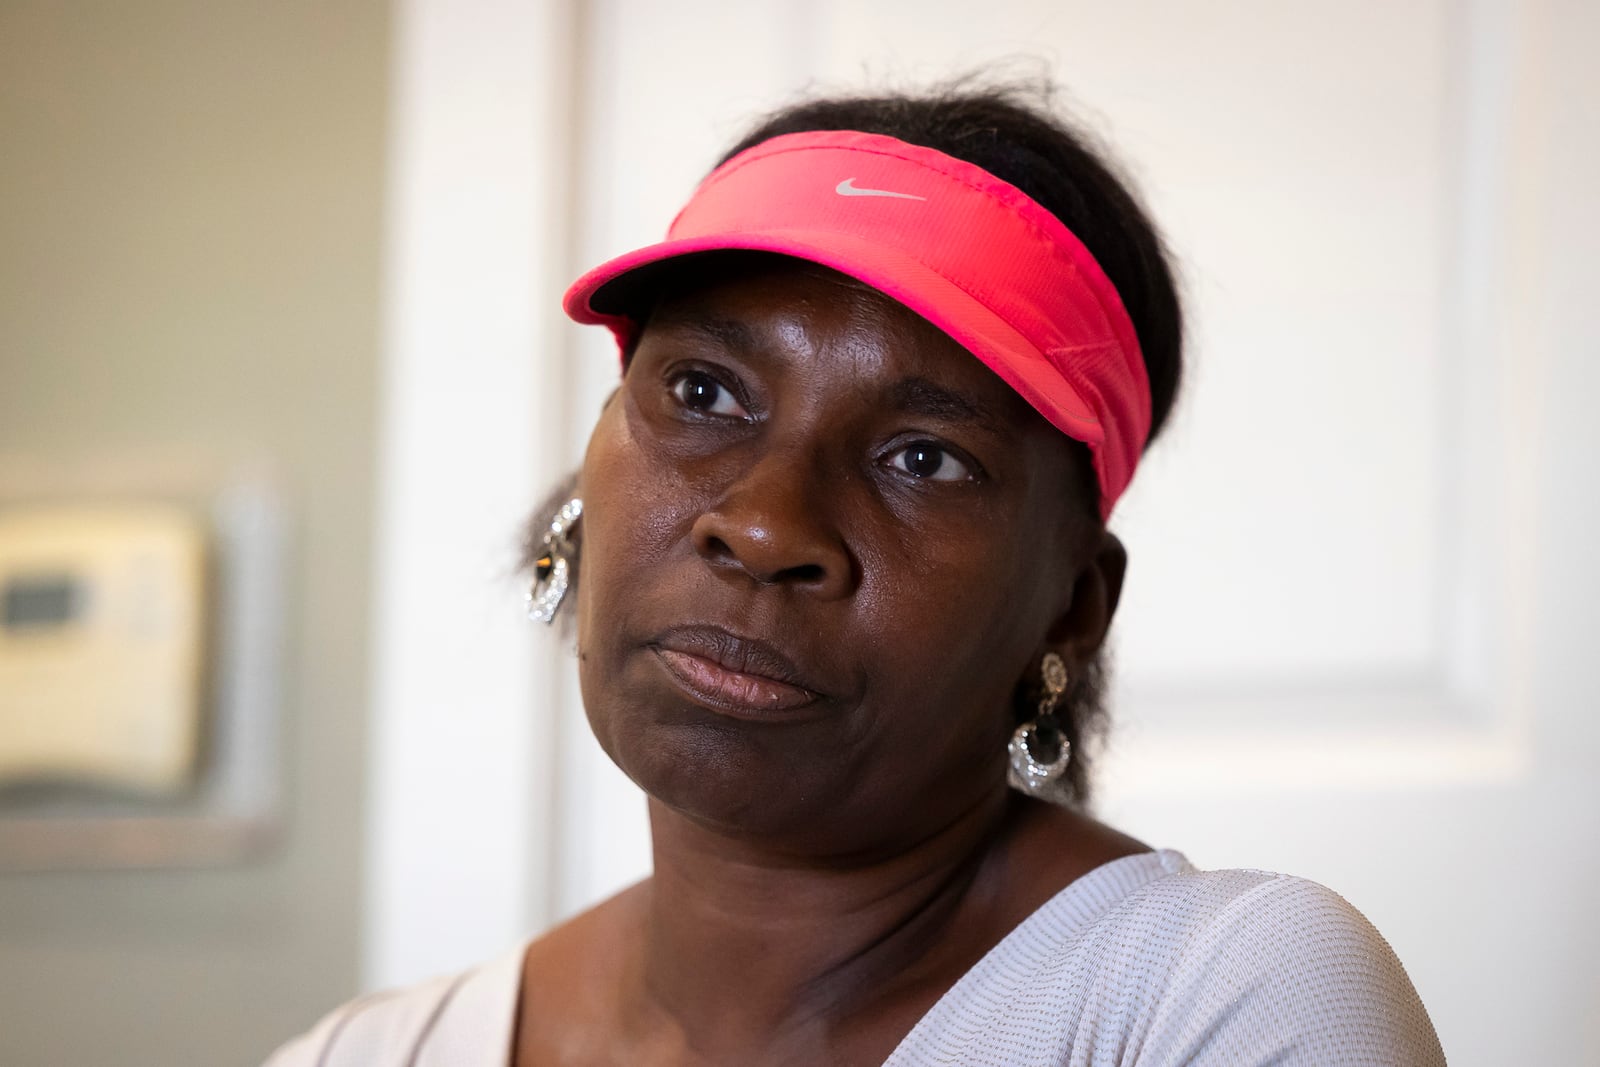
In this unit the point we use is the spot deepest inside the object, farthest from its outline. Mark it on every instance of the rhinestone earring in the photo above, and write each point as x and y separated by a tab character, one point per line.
1039	749
553	570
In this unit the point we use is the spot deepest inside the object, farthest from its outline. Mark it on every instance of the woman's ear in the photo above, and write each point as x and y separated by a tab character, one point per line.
1082	627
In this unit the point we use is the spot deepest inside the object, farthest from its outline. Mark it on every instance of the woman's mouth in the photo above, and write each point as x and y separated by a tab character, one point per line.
730	673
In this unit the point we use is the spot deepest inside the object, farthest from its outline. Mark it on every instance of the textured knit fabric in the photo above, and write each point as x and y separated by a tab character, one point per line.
1148	961
1143	961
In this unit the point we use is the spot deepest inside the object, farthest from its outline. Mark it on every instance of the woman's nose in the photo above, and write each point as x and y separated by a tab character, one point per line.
770	526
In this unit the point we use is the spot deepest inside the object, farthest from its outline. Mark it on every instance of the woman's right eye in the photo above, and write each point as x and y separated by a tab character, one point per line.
699	392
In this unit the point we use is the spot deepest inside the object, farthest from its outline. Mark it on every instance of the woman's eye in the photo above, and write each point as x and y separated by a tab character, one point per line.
702	393
926	459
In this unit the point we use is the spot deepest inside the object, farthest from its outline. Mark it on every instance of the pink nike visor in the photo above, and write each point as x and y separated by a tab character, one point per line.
973	255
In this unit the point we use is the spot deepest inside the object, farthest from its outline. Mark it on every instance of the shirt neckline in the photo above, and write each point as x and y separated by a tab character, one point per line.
494	988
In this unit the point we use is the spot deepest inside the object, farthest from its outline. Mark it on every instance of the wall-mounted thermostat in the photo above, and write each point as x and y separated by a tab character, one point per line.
102	627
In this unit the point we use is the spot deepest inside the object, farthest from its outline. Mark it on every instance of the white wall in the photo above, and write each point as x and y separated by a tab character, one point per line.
1352	642
460	822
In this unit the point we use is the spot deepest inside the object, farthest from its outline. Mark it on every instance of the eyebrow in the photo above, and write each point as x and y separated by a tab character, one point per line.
910	396
919	396
729	334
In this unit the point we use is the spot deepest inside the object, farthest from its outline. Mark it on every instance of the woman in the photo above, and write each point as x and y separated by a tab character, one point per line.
846	579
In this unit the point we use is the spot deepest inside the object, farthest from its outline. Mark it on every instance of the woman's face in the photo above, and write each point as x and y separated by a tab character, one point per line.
822	545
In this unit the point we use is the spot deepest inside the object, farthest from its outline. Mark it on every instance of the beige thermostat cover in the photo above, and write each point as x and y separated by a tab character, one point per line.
102	624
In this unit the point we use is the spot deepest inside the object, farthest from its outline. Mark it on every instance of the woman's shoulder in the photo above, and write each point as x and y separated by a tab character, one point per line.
1150	954
1270	964
1248	922
460	1018
1172	892
1161	907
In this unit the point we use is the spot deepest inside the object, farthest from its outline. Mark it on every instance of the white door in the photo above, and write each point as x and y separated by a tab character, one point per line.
1354	642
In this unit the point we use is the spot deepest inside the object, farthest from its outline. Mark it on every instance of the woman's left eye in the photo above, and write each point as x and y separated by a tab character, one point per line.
700	392
930	461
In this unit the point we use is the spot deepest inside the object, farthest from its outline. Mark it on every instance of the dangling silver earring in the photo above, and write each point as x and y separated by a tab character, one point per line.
1039	749
553	570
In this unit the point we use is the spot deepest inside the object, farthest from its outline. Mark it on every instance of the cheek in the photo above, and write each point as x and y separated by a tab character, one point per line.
955	630
625	529
635	510
963	589
615	549
966	615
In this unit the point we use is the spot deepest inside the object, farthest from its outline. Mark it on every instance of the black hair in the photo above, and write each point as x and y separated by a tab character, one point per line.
1010	131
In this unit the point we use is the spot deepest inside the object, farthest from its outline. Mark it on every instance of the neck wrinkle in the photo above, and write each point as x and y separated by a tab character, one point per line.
739	950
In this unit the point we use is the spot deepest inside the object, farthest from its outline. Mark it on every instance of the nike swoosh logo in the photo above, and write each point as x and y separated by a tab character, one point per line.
847	188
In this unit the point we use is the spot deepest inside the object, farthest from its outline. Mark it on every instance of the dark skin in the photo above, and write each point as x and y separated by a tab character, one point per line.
822	546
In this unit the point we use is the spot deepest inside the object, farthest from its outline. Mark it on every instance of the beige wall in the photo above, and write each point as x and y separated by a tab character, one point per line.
189	252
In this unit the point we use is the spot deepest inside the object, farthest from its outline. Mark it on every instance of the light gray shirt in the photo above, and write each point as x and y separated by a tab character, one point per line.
1142	961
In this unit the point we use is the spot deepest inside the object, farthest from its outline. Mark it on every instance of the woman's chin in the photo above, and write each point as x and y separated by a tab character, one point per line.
714	775
722	779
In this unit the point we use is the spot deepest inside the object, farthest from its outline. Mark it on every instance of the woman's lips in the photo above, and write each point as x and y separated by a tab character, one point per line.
731	673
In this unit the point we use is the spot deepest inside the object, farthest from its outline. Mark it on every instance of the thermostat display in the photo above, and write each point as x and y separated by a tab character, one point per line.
102	620
39	602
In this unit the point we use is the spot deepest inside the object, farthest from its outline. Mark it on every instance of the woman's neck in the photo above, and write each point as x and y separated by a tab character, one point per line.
743	947
731	955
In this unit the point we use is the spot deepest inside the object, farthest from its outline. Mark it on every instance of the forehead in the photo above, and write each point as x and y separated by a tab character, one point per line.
772	306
